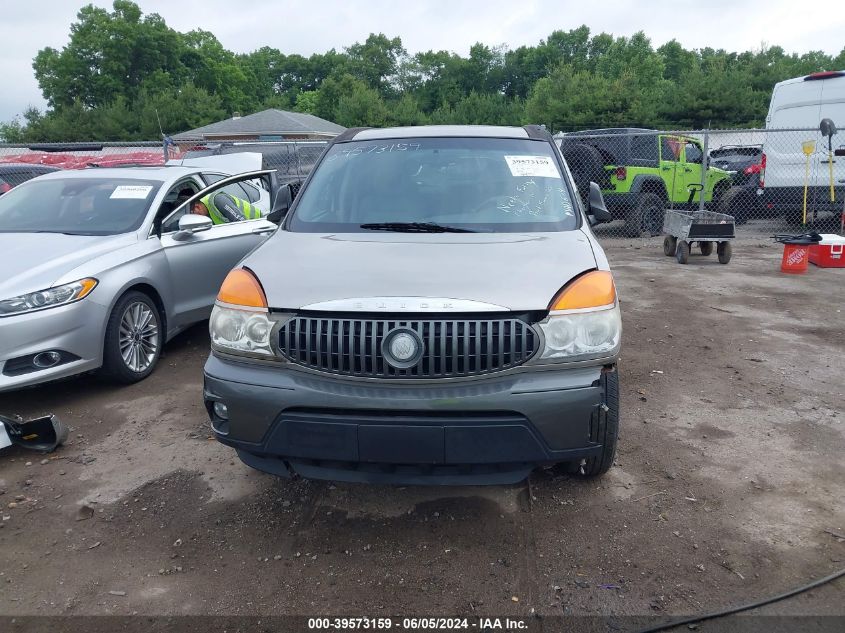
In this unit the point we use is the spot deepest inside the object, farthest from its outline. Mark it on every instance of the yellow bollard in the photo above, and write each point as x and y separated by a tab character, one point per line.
809	148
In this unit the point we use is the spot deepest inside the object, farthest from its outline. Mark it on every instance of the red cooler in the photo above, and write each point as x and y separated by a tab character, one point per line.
830	252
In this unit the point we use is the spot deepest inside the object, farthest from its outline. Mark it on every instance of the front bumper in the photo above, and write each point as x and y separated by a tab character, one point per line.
487	430
76	330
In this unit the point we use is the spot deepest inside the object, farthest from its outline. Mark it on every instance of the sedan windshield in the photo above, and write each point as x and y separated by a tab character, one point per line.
77	206
488	185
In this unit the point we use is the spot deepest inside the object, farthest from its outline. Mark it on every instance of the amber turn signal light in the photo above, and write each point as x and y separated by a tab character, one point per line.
593	290
241	288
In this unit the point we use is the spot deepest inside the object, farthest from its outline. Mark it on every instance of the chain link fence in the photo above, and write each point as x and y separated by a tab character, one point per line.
768	181
293	160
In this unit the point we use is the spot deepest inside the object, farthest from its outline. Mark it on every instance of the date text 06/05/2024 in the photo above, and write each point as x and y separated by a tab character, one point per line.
417	624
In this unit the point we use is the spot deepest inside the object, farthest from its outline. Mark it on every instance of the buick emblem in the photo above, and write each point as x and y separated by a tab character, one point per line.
402	348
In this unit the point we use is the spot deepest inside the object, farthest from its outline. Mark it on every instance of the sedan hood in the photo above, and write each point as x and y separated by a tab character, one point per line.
35	261
515	271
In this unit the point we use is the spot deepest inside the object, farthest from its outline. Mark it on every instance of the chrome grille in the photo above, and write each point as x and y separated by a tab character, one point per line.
452	347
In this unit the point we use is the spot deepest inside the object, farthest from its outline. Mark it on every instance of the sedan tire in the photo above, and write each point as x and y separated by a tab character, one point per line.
133	339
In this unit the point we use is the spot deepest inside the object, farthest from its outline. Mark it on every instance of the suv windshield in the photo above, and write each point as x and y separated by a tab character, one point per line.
77	206
489	185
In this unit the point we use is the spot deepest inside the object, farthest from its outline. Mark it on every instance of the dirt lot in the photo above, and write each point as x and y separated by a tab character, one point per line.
729	482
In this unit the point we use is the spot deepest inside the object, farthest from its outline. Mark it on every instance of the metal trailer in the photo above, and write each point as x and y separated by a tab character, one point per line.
683	228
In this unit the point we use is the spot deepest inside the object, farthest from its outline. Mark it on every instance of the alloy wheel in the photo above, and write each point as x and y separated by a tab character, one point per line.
138	337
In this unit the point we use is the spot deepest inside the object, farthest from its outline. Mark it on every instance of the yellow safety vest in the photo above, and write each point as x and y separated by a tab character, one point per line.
249	211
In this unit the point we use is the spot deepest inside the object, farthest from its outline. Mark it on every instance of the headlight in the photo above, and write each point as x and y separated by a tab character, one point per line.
49	298
236	331
581	335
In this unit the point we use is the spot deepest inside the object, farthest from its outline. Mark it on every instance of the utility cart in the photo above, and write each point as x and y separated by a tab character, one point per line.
684	228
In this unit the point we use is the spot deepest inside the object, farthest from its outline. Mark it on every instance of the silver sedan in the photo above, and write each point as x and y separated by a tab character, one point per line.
101	267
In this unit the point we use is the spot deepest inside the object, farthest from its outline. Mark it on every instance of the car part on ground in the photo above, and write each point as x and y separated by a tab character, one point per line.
42	434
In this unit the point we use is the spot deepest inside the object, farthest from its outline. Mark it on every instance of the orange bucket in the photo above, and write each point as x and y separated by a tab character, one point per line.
795	258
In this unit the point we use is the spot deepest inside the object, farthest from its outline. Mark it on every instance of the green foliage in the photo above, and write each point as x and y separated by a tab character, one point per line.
306	102
122	72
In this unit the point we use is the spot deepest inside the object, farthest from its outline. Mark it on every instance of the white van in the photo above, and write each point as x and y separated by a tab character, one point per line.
802	103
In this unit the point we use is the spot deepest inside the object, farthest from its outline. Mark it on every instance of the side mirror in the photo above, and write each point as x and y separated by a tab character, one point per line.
281	204
827	127
191	223
598	209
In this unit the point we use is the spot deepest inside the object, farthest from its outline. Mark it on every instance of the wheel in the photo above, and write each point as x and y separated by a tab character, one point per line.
738	202
669	245
133	339
706	248
606	428
587	165
682	252
724	251
646	218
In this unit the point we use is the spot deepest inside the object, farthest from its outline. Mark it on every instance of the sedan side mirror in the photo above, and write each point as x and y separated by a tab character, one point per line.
281	204
194	223
598	209
191	223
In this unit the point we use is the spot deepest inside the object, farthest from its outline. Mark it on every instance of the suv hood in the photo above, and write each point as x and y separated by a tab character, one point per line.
35	261
517	271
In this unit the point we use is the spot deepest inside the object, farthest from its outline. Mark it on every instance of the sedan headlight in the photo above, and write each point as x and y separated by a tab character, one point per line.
49	298
581	335
239	331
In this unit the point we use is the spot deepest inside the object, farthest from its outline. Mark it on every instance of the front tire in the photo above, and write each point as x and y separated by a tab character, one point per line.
669	245
133	339
682	252
645	219
607	428
586	165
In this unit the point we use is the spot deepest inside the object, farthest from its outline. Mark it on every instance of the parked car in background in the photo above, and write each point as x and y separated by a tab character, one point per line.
435	308
241	162
14	174
101	267
802	102
292	160
641	173
746	164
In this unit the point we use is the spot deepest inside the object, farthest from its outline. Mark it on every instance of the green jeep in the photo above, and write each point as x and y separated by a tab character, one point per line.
641	172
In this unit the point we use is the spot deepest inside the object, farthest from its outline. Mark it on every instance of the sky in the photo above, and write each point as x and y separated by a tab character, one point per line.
310	26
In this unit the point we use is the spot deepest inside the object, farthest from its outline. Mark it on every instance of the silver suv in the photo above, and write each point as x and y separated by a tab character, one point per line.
434	309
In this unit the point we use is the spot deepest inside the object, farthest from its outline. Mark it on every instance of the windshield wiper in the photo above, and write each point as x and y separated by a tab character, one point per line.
414	227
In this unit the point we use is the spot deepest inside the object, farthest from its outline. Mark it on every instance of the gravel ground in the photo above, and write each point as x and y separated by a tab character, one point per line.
729	484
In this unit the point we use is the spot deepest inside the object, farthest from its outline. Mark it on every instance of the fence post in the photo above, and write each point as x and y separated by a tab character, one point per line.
705	165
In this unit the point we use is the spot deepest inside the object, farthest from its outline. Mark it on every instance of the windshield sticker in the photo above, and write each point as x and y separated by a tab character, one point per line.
532	166
133	192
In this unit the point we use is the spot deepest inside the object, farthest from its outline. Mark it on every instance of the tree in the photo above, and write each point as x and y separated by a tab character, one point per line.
375	61
306	102
362	106
406	111
122	71
108	56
